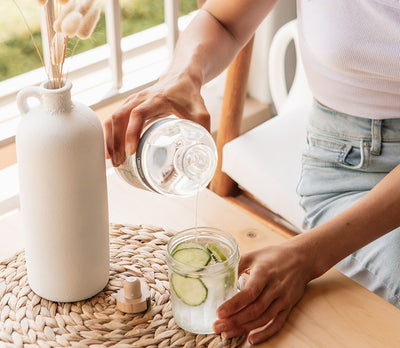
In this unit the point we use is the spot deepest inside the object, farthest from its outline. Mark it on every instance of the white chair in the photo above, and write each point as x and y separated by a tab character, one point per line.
266	161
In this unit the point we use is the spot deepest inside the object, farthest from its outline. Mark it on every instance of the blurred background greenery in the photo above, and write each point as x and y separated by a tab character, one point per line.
18	54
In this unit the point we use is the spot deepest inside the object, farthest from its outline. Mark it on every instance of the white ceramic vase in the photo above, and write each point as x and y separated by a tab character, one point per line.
63	195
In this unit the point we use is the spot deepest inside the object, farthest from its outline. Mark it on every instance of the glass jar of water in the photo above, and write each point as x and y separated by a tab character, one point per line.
174	157
203	272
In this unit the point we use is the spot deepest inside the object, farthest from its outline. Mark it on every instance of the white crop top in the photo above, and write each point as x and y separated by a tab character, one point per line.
351	54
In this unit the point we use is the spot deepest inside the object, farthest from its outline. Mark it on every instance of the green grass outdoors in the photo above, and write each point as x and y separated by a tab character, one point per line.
18	54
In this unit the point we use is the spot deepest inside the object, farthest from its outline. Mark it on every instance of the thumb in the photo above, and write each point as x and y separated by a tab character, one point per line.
201	114
246	261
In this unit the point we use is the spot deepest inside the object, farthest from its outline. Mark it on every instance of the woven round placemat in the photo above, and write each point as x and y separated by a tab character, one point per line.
27	320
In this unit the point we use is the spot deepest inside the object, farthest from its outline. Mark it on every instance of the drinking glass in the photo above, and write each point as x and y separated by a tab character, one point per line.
203	267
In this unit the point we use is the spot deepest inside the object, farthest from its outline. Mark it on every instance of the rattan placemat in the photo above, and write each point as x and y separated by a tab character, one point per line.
27	320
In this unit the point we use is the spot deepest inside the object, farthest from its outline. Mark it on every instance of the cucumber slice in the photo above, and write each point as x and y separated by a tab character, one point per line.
192	256
191	291
230	278
187	245
216	253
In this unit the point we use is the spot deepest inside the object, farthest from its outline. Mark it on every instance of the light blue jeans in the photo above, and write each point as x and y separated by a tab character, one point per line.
345	158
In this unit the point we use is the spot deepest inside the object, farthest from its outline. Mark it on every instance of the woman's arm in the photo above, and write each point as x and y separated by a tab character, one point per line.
374	215
279	274
204	50
237	21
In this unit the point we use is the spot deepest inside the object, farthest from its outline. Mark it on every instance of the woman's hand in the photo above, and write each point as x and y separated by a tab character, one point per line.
172	94
278	277
204	50
280	273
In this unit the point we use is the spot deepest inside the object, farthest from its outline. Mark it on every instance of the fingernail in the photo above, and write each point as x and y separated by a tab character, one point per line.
224	335
116	158
219	327
252	340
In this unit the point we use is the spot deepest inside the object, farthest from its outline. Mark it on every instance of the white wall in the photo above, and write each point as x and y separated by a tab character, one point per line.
258	86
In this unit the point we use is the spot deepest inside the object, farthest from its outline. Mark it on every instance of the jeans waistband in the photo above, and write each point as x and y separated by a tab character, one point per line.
375	131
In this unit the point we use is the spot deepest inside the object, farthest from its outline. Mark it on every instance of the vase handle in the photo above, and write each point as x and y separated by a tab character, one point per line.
24	94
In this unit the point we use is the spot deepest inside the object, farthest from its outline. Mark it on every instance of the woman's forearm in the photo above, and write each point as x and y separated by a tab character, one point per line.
374	215
215	36
204	49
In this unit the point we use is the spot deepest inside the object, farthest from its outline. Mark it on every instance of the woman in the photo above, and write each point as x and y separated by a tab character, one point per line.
350	182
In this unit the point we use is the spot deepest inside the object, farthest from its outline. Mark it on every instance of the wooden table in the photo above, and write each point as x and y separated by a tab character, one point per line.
334	312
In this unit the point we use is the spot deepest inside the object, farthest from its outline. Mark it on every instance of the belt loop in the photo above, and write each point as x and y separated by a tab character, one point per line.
376	130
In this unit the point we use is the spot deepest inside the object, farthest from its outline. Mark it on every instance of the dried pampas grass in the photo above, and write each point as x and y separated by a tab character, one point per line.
42	2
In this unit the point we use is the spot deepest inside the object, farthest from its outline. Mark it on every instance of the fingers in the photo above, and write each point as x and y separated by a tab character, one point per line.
108	140
115	128
124	128
256	314
270	323
128	116
248	294
201	115
138	116
274	327
119	125
256	318
190	107
133	133
246	260
203	119
252	290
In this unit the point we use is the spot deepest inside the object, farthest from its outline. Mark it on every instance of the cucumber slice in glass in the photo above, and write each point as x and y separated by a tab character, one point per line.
216	253
192	256
218	256
230	277
191	291
188	245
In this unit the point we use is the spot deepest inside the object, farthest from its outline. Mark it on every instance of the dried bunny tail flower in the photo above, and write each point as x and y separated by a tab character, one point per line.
85	6
42	2
62	2
71	23
67	9
57	50
89	23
